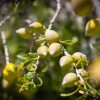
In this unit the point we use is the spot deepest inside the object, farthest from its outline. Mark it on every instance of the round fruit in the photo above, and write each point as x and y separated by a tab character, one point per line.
66	61
55	49
9	72
93	27
78	55
51	36
37	27
24	33
42	51
69	80
83	72
82	7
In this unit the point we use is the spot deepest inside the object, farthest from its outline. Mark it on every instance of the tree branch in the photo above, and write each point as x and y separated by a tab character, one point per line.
56	14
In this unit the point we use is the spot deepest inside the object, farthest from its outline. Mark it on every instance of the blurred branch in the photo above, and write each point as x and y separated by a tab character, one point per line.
5	47
4	40
56	14
97	7
5	20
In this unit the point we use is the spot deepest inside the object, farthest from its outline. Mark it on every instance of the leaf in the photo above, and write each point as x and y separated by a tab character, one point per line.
69	94
40	80
68	42
45	69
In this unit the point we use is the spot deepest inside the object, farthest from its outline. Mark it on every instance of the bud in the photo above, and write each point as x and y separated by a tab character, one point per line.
69	80
55	49
51	36
42	51
66	61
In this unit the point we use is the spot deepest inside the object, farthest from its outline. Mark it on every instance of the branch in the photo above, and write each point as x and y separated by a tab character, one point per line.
5	47
56	14
5	20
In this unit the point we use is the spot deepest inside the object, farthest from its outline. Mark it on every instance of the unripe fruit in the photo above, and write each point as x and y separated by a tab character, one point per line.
66	61
93	27
78	55
82	7
69	80
9	72
51	36
83	72
42	51
24	33
55	49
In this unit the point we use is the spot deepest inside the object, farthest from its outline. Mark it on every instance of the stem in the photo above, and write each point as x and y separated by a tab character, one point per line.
56	14
5	47
64	50
80	77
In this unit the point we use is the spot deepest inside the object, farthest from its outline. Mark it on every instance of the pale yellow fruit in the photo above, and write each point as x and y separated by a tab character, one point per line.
83	72
24	33
42	51
37	27
93	27
69	80
51	36
78	55
82	7
66	61
55	49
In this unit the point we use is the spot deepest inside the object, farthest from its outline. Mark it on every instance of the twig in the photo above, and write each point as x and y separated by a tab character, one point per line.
5	19
5	47
80	77
64	50
56	14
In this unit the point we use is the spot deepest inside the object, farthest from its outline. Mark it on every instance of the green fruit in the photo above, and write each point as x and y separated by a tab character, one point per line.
78	55
69	80
37	27
82	7
42	51
51	36
93	27
66	61
55	49
24	33
83	72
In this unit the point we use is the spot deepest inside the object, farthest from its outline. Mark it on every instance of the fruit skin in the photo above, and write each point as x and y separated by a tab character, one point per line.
9	73
93	27
82	7
42	51
69	80
37	27
24	33
78	55
66	61
55	49
51	36
83	73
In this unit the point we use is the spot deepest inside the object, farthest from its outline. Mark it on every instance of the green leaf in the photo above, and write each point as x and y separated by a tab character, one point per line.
45	69
68	42
40	80
69	94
